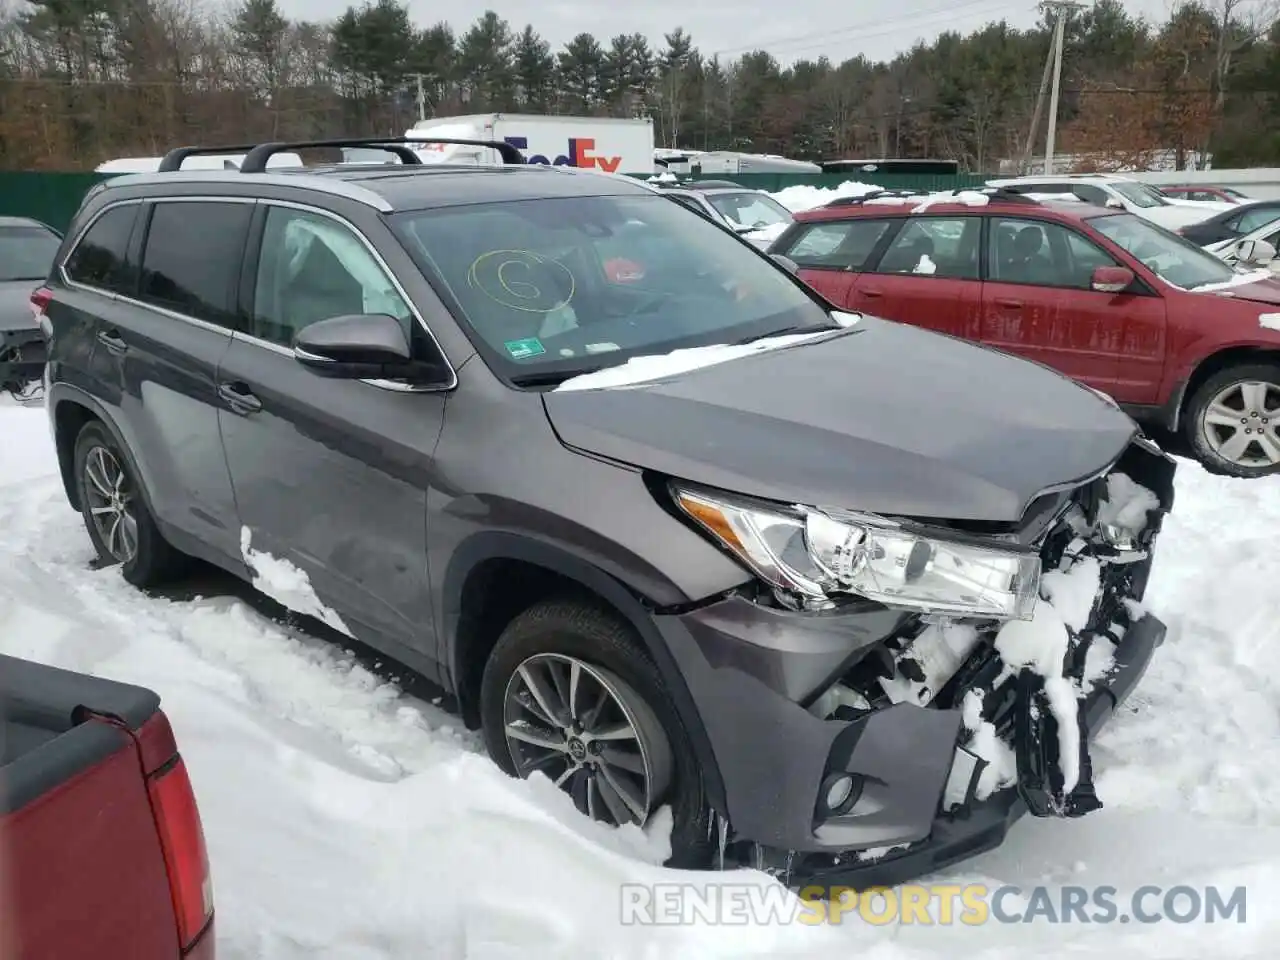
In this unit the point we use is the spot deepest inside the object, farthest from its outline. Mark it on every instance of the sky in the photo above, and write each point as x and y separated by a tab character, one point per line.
878	29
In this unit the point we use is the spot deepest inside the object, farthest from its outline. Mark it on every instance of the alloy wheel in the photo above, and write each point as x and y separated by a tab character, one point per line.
111	503
588	731
1241	424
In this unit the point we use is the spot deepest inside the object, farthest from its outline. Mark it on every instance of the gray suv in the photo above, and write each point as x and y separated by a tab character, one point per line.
672	529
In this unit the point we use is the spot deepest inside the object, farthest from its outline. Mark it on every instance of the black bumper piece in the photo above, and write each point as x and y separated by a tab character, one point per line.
982	826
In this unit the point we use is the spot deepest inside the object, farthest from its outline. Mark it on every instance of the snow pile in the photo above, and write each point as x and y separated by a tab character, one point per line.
348	820
768	234
803	197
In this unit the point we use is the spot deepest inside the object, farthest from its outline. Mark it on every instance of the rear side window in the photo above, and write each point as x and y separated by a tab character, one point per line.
101	258
836	244
192	259
945	247
1257	219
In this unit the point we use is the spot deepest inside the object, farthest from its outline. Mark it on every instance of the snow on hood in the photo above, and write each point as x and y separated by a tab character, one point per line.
641	370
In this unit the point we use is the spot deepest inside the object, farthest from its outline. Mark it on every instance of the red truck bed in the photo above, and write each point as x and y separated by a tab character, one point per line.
101	848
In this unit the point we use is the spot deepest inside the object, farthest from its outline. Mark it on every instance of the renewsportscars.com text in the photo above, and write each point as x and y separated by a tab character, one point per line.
678	904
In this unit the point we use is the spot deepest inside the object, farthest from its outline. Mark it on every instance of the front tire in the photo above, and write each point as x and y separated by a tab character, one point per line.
1233	421
569	691
120	525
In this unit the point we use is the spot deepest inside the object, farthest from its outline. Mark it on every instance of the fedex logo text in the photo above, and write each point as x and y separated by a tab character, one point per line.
580	154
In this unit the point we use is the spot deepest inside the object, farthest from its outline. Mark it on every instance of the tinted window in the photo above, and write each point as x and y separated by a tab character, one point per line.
585	282
313	268
1043	254
26	253
935	247
837	244
192	259
100	259
1090	194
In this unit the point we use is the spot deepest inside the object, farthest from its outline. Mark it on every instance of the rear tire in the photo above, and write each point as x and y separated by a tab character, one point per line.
1233	421
532	664
116	515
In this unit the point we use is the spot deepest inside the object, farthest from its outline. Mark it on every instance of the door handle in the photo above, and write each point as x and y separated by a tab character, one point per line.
239	398
1011	304
871	294
113	341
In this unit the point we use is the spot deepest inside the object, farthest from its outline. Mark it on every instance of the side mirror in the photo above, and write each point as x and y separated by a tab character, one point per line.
1111	279
1254	251
356	347
786	263
1115	203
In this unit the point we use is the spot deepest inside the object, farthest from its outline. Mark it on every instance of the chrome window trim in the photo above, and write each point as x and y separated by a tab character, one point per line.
394	386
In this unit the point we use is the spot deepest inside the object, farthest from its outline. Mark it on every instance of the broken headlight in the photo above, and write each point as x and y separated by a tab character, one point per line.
814	555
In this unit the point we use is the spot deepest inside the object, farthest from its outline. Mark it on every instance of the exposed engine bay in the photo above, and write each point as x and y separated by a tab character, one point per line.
1019	682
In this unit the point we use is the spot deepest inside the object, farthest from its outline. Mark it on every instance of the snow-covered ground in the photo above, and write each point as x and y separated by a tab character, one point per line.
348	821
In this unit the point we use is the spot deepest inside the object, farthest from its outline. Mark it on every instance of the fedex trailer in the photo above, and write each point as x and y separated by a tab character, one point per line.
601	143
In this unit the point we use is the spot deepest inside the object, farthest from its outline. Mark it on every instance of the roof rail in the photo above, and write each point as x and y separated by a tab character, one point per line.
173	159
256	160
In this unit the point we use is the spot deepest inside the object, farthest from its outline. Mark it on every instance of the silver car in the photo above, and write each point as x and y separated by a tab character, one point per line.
753	214
27	249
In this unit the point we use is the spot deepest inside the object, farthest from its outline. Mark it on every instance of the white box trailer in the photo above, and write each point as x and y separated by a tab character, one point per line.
602	143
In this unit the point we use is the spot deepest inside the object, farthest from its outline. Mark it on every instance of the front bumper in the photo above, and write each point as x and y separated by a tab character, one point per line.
757	672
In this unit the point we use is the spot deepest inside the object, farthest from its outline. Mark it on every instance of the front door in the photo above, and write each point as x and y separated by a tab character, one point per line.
329	475
1038	302
928	277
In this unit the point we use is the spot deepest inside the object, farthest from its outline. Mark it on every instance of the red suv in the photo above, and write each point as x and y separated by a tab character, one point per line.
1176	336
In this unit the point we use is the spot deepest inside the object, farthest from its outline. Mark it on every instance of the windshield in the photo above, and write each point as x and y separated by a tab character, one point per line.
753	210
1140	194
1234	193
26	253
579	283
1165	254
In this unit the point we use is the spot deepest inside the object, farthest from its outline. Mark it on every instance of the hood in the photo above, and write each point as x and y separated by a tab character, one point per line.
1175	215
884	418
1258	291
15	304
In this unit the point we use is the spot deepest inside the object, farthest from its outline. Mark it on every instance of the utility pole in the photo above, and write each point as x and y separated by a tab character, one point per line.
1062	9
1025	160
422	97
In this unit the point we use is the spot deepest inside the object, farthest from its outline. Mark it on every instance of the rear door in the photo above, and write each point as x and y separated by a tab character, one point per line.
830	252
928	276
1038	302
330	475
156	347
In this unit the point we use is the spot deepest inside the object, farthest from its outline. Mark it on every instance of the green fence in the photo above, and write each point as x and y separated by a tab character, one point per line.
54	197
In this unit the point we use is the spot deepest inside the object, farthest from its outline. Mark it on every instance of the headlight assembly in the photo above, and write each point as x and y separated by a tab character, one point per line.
815	555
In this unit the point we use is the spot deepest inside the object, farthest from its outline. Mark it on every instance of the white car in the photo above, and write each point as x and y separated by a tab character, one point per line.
1121	193
1258	248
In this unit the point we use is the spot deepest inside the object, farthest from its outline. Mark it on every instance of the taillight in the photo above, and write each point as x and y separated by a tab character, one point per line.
40	300
185	857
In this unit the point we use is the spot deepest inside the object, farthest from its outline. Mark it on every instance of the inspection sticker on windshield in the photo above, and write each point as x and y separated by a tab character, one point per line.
523	349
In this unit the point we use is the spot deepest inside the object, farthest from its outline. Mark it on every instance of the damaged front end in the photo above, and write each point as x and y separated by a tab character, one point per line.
1032	674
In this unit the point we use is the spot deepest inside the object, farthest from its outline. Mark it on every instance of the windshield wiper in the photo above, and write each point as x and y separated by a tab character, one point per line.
799	330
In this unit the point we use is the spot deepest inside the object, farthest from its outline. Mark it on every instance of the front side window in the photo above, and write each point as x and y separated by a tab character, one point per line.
191	263
944	247
1042	254
313	268
1171	258
101	258
27	252
837	244
578	283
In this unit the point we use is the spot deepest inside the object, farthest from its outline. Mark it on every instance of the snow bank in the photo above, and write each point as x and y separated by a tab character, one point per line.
803	197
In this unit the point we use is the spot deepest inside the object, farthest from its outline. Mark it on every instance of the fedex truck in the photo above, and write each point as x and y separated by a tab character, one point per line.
602	143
